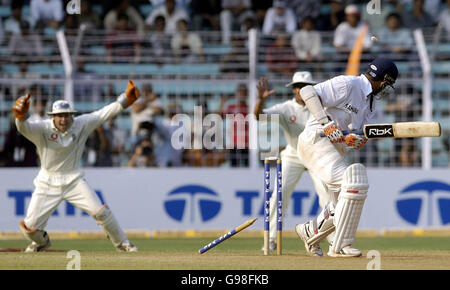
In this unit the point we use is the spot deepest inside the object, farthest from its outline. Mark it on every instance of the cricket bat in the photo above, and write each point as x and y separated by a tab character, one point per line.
398	130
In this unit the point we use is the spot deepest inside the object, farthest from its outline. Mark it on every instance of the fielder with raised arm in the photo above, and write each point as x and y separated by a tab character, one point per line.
60	143
293	116
341	103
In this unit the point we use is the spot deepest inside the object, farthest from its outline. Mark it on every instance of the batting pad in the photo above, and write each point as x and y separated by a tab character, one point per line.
108	222
38	236
349	206
323	225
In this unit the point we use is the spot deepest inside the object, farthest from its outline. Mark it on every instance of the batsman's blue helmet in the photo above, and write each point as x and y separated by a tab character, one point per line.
383	69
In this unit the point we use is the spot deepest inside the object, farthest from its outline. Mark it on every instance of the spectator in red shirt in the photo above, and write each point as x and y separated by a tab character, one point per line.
237	131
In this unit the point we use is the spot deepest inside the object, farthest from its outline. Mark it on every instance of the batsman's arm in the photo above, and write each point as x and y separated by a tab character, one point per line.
314	105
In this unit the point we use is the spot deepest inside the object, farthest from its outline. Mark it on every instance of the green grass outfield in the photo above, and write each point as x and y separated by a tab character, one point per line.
239	253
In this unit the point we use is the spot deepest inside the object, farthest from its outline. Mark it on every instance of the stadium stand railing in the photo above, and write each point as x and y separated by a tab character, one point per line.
185	79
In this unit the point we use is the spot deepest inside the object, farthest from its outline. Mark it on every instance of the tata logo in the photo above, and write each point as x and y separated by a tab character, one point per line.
426	203
192	203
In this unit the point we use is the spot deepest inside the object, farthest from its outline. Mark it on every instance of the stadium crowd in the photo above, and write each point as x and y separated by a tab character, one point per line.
167	31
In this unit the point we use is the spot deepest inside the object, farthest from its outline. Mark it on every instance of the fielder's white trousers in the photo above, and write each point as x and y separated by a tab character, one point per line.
292	169
45	199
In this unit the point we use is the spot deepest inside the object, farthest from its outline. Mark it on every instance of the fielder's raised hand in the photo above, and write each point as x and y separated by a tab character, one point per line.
355	141
263	88
130	96
132	93
21	106
333	133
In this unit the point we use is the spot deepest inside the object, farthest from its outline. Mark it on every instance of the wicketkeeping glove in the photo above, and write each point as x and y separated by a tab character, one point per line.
333	133
355	141
21	106
131	93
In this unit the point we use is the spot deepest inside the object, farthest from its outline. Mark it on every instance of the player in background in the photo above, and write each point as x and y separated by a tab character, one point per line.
60	142
341	103
292	117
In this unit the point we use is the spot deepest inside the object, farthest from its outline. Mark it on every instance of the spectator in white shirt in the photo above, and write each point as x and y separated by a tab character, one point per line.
393	37
46	13
348	32
25	43
171	13
186	45
12	23
306	41
279	19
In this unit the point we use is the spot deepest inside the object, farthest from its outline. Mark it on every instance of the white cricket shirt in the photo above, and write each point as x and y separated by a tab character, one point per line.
60	152
346	101
292	117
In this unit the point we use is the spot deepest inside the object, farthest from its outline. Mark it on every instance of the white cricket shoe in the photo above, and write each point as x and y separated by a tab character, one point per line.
35	247
127	246
272	246
347	251
311	249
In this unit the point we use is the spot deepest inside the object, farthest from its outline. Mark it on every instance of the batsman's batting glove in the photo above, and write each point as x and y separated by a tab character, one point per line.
355	141
21	106
130	96
333	133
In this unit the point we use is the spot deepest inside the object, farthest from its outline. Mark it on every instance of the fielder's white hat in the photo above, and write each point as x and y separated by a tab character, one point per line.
61	107
351	9
303	77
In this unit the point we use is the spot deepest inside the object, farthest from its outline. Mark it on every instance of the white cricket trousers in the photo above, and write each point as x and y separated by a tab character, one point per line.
45	199
324	160
292	169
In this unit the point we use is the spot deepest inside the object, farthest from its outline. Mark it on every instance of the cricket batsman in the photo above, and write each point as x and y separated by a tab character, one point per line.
341	103
60	142
293	116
